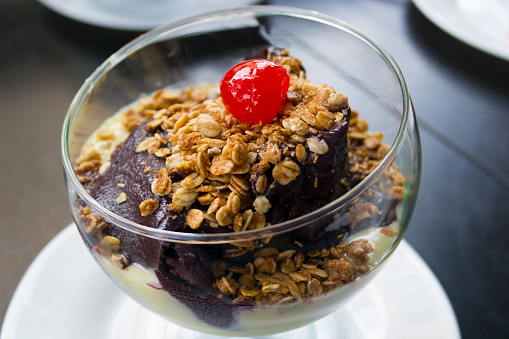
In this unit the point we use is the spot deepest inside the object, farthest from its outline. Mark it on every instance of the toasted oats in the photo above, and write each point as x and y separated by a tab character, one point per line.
247	292
211	152
340	271
297	139
87	166
238	223
359	248
240	182
233	203
162	152
261	204
224	216
227	287
290	169
119	260
247	281
171	94
206	199
213	143
362	125
247	216
261	184
214	206
260	167
398	192
268	287
251	157
174	160
317	146
148	207
203	163
121	198
357	135
300	153
192	180
266	252
185	167
294	290
162	183
288	265
151	145
184	197
187	140
300	276
181	122
265	265
325	120
372	142
314	287
296	125
194	218
285	172
220	166
241	169
235	252
84	179
397	179
285	255
337	101
91	221
388	232
316	272
239	154
208	127
272	154
152	125
110	243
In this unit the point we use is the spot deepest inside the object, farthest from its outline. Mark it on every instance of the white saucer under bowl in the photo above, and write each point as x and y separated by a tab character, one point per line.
64	294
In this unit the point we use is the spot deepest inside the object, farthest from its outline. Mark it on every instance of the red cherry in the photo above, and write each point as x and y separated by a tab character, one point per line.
254	90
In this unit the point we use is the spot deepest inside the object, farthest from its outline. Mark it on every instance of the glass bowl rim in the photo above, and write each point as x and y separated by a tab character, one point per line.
231	237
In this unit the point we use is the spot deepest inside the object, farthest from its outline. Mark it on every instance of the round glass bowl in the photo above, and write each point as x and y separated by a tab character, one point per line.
282	276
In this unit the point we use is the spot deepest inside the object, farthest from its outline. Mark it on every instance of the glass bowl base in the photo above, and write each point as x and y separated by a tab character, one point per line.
363	317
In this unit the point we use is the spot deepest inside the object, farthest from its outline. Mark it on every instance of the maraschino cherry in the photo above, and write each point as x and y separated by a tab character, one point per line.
253	91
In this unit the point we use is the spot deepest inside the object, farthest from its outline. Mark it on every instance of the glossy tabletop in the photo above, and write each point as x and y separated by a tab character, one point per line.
460	225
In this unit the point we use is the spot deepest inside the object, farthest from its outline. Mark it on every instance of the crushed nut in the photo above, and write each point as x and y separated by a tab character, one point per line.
121	198
148	207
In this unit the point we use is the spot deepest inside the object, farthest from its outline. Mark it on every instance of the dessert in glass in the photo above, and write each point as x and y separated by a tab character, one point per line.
243	172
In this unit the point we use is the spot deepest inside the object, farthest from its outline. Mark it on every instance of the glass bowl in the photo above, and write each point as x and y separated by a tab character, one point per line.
269	278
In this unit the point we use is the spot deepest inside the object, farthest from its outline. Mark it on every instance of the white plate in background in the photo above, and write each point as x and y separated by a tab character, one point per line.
136	15
64	294
483	24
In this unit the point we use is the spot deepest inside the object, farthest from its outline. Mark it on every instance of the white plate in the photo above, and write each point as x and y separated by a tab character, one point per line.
64	294
136	15
483	24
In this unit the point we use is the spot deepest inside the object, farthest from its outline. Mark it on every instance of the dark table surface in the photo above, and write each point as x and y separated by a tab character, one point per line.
460	225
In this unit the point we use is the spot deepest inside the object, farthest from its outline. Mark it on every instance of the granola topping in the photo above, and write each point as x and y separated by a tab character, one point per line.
278	277
202	140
